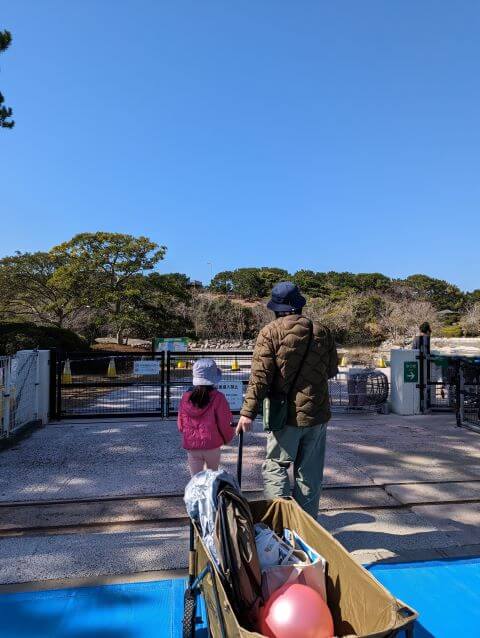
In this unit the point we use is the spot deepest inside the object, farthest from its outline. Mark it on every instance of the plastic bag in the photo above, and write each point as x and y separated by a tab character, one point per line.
273	550
311	573
201	502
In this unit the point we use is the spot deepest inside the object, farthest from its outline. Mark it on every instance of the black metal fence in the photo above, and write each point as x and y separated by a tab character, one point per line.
235	367
468	404
441	382
451	383
110	384
91	385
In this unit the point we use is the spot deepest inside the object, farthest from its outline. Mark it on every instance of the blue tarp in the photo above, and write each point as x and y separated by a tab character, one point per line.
133	610
446	593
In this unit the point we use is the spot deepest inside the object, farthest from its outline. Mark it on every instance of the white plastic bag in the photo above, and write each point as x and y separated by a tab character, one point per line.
310	573
273	550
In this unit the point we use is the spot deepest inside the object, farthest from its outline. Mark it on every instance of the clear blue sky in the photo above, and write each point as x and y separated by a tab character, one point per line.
302	134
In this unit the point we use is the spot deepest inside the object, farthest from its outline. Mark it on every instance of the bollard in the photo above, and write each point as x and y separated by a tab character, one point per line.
235	367
67	372
112	370
381	363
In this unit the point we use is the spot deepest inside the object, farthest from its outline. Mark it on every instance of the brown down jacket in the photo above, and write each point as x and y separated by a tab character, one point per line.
277	355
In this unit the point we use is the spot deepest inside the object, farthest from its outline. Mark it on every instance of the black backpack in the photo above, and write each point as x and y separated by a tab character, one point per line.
237	553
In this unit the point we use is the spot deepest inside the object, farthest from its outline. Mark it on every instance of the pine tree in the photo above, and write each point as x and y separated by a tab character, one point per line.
5	112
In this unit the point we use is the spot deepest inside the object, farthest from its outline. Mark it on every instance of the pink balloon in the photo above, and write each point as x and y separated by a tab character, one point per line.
296	611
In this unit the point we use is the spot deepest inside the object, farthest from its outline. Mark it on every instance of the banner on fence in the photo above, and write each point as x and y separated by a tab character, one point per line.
145	367
233	390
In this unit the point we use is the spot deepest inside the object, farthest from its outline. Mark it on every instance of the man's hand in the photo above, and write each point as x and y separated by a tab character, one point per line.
244	424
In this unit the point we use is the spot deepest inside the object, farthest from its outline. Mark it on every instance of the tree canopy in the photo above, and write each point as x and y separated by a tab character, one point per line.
107	270
248	283
104	284
31	286
443	295
5	111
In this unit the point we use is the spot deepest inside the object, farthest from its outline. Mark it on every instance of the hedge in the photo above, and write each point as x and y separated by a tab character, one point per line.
26	336
452	331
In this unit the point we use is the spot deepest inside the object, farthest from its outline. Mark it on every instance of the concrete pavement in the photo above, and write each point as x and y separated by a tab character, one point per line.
83	499
82	459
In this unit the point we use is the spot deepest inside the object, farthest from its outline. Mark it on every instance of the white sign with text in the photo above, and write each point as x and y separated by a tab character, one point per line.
146	367
233	391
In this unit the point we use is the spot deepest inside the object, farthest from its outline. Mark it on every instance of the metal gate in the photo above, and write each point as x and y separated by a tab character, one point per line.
235	367
109	384
90	385
468	405
437	385
441	382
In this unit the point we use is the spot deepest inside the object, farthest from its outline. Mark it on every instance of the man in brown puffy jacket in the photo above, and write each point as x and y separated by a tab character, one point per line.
279	351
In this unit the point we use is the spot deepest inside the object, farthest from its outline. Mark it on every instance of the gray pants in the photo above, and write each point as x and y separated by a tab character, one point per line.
305	448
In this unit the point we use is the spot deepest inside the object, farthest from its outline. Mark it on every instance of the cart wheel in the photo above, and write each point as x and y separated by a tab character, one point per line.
189	614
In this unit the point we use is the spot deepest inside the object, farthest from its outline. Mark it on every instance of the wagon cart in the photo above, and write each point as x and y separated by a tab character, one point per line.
360	605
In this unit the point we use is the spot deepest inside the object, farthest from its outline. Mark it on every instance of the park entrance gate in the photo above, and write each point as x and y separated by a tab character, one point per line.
451	383
108	384
112	384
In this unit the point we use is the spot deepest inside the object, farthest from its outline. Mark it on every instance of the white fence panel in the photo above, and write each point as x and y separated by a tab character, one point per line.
19	383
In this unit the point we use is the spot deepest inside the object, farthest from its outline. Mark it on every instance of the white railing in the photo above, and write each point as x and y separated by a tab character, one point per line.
22	395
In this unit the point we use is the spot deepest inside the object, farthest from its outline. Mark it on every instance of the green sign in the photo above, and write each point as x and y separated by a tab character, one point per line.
410	372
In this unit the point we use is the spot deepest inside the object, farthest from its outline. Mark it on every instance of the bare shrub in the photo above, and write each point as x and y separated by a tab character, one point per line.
400	318
261	315
470	322
220	318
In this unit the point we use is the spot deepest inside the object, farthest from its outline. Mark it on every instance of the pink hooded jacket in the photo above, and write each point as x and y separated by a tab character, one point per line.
205	428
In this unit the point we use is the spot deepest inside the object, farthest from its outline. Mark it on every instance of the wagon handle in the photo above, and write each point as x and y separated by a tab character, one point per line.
240	458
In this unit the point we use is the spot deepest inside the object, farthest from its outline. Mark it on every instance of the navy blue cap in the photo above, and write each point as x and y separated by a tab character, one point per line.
286	297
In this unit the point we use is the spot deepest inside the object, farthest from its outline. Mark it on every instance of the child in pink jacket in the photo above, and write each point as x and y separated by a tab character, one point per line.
204	418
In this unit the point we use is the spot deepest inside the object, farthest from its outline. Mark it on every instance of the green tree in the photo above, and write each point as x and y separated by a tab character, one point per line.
31	289
222	282
5	112
248	283
472	297
104	268
443	295
160	306
271	276
371	282
311	283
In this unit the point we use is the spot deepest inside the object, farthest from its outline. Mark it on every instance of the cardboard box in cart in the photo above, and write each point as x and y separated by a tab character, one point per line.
360	605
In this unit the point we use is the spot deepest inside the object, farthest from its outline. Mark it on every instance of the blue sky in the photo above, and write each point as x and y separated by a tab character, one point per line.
325	135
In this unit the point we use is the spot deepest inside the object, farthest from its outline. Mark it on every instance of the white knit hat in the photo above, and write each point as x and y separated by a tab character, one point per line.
206	372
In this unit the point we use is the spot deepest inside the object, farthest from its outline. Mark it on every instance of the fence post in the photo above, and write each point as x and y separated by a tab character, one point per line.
37	384
460	392
52	391
4	413
162	384
168	385
6	398
58	384
421	385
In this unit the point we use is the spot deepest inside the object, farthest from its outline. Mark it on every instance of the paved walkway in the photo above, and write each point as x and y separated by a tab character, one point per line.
395	486
78	459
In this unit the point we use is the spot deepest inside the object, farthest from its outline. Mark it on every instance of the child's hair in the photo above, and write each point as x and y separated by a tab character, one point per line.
200	396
